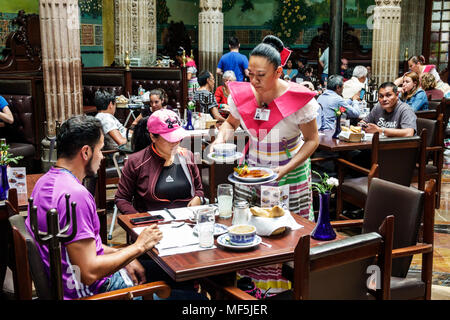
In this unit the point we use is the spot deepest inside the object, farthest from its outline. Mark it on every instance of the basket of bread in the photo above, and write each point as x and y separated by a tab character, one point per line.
271	221
351	134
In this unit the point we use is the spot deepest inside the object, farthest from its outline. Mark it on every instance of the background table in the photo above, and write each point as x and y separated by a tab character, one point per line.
327	143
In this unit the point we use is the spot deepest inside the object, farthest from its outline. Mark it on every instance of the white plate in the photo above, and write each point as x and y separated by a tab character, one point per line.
218	229
213	156
233	179
224	239
251	179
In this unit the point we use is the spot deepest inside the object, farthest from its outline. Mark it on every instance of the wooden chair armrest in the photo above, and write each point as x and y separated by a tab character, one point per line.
314	160
435	148
337	224
412	250
353	166
144	290
101	212
112	151
238	294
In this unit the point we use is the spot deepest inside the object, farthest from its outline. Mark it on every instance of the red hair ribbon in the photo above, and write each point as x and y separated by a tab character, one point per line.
285	56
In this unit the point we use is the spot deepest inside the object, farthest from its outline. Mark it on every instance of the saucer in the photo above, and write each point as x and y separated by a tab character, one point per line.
224	241
213	156
233	179
219	229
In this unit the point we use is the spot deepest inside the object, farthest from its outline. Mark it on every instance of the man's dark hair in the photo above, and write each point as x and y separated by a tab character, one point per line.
233	42
203	77
388	84
102	99
77	132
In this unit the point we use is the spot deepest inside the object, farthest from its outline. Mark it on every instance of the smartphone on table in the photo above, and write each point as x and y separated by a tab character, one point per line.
149	219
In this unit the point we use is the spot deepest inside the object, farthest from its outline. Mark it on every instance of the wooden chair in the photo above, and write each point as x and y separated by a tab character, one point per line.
409	207
335	270
30	268
395	158
435	108
434	157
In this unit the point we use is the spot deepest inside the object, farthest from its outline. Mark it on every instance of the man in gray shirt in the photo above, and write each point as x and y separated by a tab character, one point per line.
390	116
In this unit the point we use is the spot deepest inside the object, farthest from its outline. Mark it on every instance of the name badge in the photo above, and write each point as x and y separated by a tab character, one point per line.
262	114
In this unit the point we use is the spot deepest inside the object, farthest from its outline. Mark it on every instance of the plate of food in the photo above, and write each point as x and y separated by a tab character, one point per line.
252	174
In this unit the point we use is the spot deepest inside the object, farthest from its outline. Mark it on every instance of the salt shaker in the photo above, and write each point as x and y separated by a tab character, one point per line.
240	215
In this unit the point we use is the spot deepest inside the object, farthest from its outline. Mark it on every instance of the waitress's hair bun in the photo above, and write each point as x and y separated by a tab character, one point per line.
270	49
274	42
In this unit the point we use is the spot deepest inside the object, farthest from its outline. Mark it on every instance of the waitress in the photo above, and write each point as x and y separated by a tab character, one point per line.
283	136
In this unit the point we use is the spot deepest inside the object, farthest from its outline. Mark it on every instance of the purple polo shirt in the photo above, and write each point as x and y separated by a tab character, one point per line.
49	192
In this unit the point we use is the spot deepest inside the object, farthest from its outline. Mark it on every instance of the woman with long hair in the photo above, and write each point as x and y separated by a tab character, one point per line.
412	93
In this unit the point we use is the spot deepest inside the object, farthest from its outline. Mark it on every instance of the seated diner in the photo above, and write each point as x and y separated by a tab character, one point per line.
162	175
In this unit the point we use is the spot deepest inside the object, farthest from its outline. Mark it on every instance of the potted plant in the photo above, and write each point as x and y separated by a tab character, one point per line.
323	229
5	159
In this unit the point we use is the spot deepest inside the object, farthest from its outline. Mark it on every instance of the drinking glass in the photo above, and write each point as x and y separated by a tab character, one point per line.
225	200
205	227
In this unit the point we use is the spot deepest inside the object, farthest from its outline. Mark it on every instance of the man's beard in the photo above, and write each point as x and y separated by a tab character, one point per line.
88	169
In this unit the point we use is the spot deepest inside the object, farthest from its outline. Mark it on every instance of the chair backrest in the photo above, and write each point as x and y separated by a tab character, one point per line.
28	261
406	204
339	269
396	157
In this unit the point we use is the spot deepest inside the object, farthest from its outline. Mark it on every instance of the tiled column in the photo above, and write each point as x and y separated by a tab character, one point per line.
135	30
386	40
210	35
61	63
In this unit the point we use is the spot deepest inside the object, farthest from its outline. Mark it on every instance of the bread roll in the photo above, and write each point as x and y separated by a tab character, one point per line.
355	129
274	212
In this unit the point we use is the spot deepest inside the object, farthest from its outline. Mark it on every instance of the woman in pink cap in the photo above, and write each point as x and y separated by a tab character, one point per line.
163	175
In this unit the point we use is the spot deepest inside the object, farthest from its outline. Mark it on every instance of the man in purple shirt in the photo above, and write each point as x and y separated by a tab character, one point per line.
88	266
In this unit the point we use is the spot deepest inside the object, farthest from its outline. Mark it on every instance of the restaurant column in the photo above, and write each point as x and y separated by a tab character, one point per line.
210	35
386	40
61	66
135	31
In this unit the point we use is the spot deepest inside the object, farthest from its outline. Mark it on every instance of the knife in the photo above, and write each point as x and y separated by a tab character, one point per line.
170	214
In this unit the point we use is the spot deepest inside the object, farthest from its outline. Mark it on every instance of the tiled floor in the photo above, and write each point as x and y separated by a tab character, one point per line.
441	257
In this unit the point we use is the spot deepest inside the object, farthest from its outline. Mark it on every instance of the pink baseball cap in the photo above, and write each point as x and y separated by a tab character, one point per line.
167	124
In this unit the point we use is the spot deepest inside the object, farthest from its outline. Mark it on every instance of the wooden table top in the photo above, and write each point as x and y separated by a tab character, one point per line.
199	264
327	143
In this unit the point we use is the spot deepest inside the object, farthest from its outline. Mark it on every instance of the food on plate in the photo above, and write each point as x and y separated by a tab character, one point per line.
246	172
121	99
273	212
19	175
355	129
12	180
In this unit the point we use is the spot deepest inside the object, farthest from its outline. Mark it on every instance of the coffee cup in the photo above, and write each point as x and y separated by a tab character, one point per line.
242	234
225	149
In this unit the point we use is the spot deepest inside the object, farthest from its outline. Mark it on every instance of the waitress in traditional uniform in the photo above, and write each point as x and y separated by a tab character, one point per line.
280	118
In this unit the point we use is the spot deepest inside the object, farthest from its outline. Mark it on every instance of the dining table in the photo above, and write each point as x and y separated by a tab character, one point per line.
221	260
328	143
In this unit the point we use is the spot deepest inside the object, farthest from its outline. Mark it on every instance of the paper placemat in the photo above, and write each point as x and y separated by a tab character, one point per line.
179	213
176	240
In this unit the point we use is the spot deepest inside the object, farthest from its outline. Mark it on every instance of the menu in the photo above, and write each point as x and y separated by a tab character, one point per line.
17	178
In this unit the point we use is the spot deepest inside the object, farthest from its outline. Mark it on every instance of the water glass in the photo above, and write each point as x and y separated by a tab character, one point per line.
205	227
225	200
